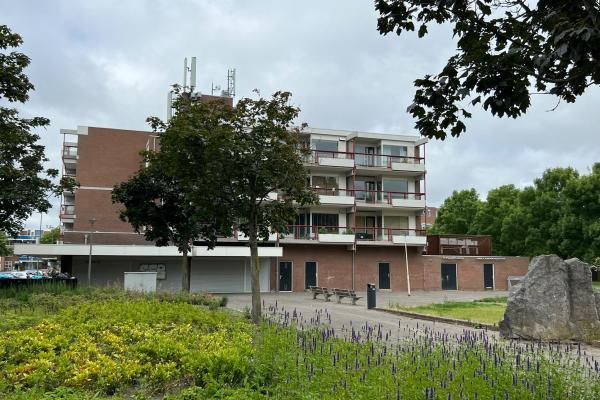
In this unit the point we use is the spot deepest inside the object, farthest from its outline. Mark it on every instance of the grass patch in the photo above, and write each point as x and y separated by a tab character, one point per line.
489	310
596	284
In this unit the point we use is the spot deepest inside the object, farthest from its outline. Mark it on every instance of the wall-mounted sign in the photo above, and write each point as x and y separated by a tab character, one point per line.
160	269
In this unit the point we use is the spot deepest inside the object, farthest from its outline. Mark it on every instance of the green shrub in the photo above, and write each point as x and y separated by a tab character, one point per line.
111	345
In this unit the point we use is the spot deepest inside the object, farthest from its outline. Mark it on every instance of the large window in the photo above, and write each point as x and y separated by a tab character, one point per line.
328	222
397	225
325	184
367	189
325	146
397	187
397	151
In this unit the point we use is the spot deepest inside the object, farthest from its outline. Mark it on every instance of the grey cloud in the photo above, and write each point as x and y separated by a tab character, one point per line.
111	63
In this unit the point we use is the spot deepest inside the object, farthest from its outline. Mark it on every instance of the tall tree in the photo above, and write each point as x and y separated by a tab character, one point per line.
543	208
51	237
267	157
26	184
493	218
506	49
580	222
457	214
174	197
4	245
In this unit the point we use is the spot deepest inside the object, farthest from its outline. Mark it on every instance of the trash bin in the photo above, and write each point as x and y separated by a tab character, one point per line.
371	297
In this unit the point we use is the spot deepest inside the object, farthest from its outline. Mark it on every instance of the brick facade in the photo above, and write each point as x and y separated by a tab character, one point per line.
334	268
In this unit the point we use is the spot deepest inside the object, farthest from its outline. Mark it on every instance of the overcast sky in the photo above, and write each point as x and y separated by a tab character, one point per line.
110	64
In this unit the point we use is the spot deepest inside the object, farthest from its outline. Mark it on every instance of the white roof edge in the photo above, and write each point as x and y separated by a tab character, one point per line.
368	135
81	130
140	251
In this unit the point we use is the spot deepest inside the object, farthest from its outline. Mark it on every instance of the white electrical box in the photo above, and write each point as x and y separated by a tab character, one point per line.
140	281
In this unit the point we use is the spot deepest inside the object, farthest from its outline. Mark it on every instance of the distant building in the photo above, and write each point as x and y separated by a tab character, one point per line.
428	217
23	262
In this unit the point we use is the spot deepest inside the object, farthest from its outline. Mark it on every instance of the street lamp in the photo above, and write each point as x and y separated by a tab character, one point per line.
89	275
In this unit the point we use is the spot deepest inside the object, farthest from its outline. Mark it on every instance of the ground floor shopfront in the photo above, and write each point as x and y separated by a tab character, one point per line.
302	266
291	267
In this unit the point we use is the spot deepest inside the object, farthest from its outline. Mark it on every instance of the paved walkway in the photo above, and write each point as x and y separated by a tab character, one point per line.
343	317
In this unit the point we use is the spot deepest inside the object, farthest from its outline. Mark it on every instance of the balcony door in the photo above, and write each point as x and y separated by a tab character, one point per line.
365	227
328	223
366	190
370	157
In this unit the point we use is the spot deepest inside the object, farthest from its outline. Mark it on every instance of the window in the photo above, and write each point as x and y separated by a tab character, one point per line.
397	187
327	185
325	145
367	189
397	151
328	222
397	224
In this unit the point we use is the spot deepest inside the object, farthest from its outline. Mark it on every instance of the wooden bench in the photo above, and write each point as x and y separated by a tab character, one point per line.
341	293
317	290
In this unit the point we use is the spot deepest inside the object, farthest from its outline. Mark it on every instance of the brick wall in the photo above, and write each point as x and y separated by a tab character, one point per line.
106	157
335	267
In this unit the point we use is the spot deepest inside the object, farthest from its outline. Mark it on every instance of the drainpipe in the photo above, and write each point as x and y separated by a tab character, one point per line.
406	259
353	253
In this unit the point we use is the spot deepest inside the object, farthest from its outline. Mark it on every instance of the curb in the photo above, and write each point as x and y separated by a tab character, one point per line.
445	320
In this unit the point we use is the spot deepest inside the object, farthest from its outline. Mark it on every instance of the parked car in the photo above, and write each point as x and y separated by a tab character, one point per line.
34	274
19	274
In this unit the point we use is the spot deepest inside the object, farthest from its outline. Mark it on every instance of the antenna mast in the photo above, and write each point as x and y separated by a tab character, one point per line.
230	83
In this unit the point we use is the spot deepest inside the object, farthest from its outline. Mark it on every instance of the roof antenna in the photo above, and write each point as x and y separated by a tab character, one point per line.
193	75
185	72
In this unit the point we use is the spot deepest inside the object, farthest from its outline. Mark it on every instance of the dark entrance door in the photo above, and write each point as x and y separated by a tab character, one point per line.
488	276
310	274
449	276
384	275
285	276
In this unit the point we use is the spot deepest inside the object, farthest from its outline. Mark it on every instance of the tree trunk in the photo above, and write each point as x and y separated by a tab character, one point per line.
255	275
186	269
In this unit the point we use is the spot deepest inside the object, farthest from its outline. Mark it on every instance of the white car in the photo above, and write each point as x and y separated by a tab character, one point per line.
19	274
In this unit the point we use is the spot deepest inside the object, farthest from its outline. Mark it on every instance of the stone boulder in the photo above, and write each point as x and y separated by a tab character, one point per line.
555	301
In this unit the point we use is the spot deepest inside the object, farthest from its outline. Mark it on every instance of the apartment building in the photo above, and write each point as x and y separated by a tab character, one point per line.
366	229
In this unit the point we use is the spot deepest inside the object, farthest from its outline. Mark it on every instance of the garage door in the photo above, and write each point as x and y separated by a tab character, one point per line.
218	276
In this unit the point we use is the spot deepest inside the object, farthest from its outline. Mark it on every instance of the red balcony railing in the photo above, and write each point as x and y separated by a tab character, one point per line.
384	160
385	234
312	232
315	155
333	191
384	197
363	159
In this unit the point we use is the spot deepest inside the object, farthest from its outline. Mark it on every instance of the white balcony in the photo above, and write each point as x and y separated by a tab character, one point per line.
408	167
408	203
336	238
410	240
336	162
336	200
